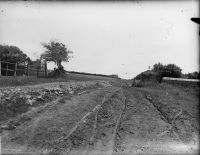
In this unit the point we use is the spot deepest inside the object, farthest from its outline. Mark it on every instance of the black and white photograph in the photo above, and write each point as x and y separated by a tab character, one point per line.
99	77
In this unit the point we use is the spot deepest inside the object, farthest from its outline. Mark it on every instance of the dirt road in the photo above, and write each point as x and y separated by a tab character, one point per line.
110	120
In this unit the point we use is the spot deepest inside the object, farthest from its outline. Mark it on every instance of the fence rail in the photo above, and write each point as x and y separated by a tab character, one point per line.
7	62
14	69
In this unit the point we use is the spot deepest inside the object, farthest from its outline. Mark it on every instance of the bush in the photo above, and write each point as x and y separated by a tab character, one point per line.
145	78
57	73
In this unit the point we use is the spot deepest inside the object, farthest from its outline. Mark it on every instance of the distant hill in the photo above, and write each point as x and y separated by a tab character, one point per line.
112	76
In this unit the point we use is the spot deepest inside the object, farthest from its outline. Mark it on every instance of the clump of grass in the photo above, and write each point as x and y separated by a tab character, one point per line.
63	100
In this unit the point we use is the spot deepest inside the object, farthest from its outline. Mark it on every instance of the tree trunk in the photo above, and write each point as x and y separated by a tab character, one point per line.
59	64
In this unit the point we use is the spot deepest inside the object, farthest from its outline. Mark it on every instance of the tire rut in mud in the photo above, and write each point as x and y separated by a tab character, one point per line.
55	120
127	115
108	123
178	119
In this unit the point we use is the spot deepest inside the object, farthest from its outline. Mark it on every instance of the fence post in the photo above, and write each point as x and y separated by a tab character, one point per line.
45	69
6	69
15	71
38	71
0	68
27	70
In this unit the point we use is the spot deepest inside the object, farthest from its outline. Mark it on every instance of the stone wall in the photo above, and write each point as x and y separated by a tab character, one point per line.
181	81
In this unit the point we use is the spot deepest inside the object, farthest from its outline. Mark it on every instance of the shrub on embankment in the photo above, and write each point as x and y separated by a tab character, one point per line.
146	78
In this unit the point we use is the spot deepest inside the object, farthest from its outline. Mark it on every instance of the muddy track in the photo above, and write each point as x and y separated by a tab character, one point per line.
104	121
114	129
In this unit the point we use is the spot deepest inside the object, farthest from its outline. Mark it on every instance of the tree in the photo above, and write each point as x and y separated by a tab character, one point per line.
56	52
171	70
12	54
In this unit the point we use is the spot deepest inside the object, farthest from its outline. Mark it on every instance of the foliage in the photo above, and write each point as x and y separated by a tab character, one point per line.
56	52
158	67
12	54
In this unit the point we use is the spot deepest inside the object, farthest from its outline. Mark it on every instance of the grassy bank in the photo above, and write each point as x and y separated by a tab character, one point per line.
22	81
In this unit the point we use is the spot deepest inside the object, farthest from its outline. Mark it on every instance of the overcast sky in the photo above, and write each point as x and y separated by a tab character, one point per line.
121	38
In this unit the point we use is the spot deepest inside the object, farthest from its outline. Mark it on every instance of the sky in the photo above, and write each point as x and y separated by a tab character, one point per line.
123	38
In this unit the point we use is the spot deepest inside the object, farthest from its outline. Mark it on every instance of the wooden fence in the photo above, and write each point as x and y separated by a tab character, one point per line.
14	69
